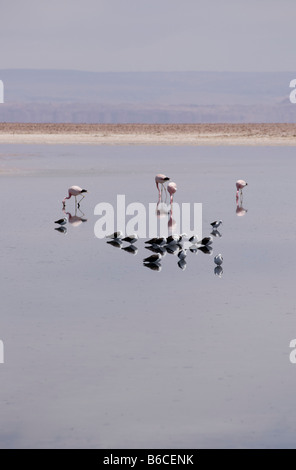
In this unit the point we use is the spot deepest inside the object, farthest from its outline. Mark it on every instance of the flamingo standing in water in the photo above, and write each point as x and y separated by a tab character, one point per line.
172	188
240	184
74	191
160	180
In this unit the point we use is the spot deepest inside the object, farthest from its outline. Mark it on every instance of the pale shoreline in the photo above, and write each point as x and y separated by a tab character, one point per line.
149	134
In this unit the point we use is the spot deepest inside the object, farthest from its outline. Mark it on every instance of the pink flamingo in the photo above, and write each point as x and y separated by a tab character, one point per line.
240	184
74	191
161	179
172	188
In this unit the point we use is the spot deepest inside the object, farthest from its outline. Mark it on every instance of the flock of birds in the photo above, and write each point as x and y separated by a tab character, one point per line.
160	246
173	244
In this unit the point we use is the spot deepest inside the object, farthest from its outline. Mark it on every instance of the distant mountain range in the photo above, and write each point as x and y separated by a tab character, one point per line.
145	97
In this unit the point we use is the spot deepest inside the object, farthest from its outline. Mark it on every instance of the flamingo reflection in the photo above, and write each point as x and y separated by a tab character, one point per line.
75	220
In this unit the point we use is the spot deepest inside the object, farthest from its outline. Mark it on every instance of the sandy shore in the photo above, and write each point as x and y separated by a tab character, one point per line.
149	134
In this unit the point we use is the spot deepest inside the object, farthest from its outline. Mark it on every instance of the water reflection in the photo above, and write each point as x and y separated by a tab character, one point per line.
218	271
216	233
240	210
115	243
62	229
76	219
132	249
173	243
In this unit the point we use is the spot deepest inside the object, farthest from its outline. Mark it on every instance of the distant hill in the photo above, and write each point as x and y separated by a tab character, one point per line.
156	97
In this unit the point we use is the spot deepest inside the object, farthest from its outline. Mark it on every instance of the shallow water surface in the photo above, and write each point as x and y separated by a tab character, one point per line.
102	352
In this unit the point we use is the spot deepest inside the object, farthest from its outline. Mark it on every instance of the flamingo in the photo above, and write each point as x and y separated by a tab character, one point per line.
161	179
74	191
240	184
172	188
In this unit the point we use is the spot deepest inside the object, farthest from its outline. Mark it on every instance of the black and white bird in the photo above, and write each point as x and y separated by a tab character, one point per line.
216	224
206	241
157	249
173	240
193	239
62	221
160	241
218	260
182	238
131	238
156	258
115	235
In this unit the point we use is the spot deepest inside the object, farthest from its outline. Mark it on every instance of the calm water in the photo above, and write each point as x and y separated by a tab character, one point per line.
103	352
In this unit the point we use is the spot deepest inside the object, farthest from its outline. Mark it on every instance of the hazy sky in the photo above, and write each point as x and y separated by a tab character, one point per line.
145	35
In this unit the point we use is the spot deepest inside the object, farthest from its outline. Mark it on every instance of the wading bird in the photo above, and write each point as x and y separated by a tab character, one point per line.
240	184
216	224
74	191
62	221
115	235
160	180
172	188
218	260
131	238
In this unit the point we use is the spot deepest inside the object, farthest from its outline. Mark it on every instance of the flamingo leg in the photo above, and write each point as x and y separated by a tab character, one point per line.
80	201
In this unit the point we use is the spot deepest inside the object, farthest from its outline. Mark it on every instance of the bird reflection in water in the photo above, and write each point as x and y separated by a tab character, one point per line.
218	271
132	249
62	229
240	211
216	233
76	219
115	243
